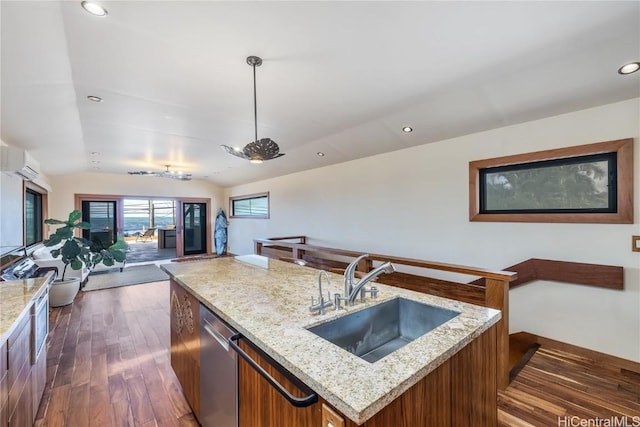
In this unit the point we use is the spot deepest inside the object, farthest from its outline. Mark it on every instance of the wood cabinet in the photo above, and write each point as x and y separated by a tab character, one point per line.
461	391
185	343
20	398
260	405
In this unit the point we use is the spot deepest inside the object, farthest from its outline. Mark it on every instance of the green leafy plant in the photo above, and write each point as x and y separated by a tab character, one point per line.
77	251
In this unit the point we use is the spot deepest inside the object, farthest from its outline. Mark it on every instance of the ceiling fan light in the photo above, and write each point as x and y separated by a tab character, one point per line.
256	161
258	150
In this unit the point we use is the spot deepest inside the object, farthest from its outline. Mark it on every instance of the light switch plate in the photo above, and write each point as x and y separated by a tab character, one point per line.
635	243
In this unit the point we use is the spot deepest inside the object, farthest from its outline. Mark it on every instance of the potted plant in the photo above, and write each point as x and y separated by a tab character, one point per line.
78	253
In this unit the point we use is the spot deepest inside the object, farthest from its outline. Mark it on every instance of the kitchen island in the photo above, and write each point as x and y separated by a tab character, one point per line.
446	376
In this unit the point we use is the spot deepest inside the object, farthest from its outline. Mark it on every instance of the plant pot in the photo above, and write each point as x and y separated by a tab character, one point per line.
62	292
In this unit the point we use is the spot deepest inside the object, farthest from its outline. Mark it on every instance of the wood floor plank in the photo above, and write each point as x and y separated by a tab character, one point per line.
121	414
79	405
100	408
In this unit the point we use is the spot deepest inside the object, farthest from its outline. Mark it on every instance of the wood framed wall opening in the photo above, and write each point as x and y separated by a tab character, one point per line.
179	225
622	207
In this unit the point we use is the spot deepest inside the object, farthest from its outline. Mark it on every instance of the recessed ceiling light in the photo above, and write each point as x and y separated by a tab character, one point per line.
320	154
629	68
407	129
94	98
94	8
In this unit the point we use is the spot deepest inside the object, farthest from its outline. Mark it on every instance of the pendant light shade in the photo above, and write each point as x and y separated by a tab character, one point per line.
260	149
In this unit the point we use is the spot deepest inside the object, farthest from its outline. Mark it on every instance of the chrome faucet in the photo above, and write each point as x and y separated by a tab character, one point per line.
351	288
322	303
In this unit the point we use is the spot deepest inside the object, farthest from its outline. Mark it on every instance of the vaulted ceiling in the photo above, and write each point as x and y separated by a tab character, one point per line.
342	78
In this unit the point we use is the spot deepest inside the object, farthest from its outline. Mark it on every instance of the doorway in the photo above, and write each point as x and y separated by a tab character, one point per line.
194	216
149	228
174	227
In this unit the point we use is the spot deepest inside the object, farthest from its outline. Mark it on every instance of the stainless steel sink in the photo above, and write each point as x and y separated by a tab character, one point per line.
377	331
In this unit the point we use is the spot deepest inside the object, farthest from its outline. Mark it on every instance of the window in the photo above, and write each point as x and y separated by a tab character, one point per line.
250	206
590	183
32	217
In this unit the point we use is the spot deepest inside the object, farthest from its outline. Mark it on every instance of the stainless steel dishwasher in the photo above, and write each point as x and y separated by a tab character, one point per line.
218	373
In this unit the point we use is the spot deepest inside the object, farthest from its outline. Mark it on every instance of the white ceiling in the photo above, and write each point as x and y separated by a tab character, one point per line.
338	77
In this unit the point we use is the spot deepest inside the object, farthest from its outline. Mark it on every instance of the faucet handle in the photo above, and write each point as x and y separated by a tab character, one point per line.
373	290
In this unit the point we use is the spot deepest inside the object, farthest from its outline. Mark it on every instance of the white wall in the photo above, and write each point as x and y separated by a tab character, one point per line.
414	203
64	188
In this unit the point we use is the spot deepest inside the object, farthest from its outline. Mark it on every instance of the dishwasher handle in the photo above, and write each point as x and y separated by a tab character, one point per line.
298	402
208	327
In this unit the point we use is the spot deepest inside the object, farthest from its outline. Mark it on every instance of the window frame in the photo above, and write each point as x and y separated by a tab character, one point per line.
623	149
37	190
232	199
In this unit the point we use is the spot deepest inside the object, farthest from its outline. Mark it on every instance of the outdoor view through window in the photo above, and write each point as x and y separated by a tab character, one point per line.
578	184
140	215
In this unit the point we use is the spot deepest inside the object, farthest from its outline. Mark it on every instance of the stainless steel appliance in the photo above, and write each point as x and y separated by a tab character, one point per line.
40	325
16	265
218	373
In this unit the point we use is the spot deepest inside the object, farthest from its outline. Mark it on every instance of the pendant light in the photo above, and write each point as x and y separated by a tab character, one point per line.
258	150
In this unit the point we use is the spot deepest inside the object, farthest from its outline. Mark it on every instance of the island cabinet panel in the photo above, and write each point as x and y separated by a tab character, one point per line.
474	387
461	391
185	343
260	405
426	404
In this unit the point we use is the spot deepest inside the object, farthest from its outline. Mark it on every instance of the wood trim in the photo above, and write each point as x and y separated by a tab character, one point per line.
624	149
598	275
433	265
635	243
600	358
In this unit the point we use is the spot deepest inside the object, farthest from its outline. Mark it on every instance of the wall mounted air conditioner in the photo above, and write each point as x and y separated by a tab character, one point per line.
19	162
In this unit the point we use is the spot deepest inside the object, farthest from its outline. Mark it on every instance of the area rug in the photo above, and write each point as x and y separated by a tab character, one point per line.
130	276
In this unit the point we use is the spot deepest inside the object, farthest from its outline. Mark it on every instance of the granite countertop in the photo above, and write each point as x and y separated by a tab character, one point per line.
16	297
267	301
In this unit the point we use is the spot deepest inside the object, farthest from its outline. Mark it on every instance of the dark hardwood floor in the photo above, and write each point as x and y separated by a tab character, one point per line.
108	362
108	365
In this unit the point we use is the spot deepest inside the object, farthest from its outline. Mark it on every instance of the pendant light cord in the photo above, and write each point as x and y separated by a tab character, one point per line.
255	104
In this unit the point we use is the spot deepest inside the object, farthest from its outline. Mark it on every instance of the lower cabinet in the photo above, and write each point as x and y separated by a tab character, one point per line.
20	397
21	383
461	391
260	405
185	343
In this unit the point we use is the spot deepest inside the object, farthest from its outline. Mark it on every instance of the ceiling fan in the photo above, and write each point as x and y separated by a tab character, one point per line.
258	150
181	176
